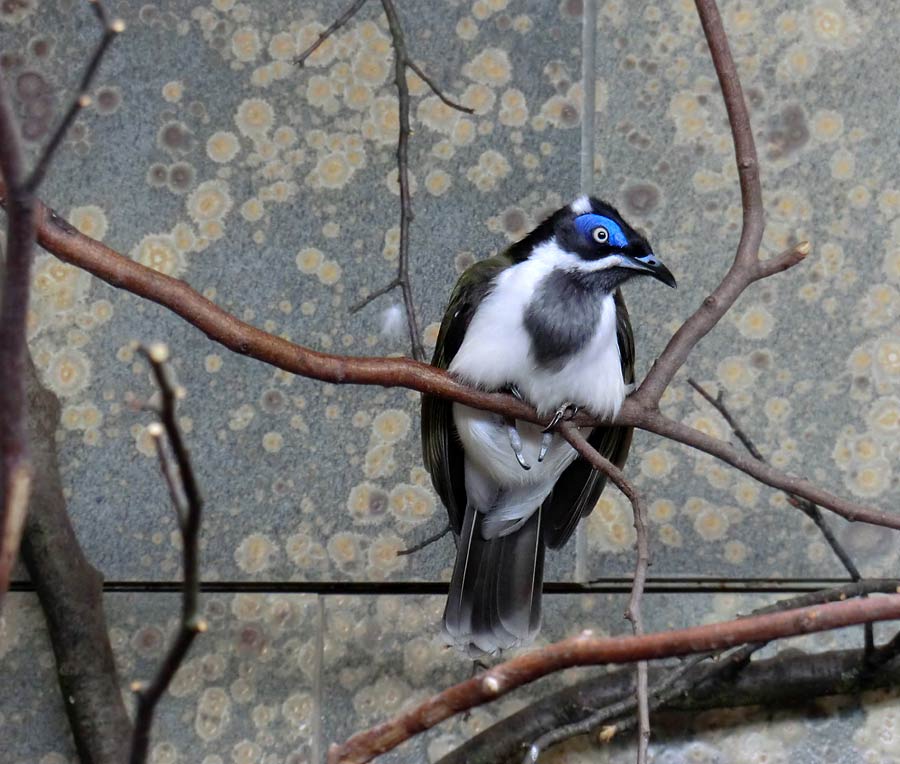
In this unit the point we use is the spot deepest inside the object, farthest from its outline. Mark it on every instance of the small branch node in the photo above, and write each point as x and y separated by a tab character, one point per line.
158	352
491	685
607	733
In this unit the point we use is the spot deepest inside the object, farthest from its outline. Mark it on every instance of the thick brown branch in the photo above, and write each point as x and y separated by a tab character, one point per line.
62	240
505	740
784	682
15	462
652	421
70	590
189	525
585	650
15	465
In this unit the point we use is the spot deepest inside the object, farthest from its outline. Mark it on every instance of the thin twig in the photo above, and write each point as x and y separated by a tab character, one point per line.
436	90
337	24
804	505
402	62
642	548
425	542
81	100
401	58
375	295
189	524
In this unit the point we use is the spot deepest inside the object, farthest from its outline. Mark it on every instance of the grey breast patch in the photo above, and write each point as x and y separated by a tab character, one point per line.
562	316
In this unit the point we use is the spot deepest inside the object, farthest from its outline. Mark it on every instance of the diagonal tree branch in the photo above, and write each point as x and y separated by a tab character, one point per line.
505	740
746	267
804	505
585	650
69	245
15	459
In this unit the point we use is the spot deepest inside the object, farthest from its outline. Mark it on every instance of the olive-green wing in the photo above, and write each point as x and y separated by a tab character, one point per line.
441	448
578	488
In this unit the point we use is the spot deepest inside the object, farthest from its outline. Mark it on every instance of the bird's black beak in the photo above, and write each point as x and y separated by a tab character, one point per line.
652	266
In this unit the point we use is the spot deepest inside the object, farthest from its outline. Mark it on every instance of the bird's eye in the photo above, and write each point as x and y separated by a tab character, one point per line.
600	235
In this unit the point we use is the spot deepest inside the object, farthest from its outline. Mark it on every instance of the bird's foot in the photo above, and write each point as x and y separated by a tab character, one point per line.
565	412
515	441
514	391
546	440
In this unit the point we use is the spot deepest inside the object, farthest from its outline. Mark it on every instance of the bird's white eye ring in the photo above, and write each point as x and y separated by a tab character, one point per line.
600	235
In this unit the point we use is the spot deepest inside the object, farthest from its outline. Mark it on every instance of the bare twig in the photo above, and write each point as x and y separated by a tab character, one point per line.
402	62
668	685
425	542
642	548
15	463
585	650
335	26
111	28
804	505
189	524
406	213
436	90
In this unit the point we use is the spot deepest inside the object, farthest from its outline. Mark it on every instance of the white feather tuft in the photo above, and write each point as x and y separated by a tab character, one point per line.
393	321
582	205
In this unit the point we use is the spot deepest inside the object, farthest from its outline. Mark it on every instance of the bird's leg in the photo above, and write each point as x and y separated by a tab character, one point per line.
515	440
566	411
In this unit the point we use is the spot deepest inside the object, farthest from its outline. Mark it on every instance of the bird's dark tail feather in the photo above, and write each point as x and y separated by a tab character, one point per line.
495	593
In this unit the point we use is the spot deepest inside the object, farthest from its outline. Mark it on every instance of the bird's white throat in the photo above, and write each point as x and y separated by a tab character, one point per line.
497	349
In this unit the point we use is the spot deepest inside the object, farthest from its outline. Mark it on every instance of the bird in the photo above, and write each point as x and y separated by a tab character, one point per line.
545	320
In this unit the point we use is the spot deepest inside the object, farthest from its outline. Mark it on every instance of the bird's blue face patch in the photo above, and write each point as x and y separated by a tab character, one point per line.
587	223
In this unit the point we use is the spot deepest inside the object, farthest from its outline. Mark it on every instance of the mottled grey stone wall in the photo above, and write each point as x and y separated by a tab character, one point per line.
272	190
